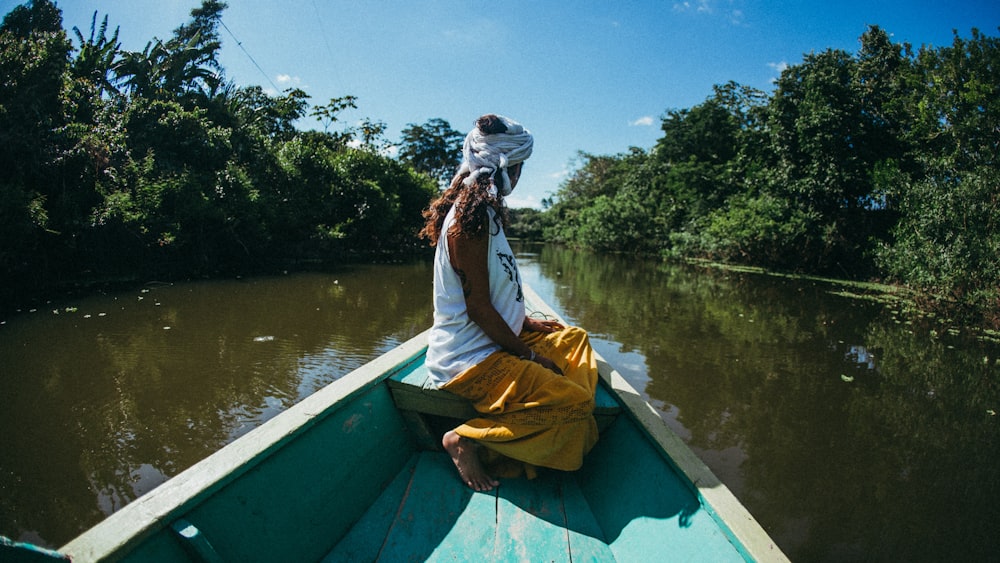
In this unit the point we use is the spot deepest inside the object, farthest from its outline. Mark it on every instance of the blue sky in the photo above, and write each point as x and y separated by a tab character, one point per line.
592	76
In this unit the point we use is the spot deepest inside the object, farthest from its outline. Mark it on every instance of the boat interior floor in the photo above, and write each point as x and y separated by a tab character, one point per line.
426	513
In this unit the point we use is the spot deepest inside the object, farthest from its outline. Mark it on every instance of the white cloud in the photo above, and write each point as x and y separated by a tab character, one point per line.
700	6
284	82
644	121
779	68
516	202
560	174
735	16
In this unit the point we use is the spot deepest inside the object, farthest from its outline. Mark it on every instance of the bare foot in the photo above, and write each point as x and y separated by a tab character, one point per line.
466	460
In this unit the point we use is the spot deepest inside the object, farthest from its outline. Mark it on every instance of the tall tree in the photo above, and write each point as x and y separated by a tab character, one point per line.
185	64
822	144
97	57
947	239
328	114
697	148
34	55
433	148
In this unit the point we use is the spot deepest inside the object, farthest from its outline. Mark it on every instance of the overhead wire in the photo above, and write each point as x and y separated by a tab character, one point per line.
249	56
322	29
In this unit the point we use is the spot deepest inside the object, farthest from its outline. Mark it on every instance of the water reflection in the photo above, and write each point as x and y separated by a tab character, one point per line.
112	398
851	430
861	356
849	433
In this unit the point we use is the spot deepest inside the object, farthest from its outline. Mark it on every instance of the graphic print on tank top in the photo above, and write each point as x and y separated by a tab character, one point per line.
510	266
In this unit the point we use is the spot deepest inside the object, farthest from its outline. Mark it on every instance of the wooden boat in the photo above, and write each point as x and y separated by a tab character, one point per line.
355	473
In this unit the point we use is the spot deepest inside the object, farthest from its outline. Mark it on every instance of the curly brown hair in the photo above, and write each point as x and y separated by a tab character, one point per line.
471	202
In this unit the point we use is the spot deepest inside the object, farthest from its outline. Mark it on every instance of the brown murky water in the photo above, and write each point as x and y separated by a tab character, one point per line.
852	430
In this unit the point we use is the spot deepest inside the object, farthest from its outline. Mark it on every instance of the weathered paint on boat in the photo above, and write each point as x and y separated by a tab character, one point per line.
348	475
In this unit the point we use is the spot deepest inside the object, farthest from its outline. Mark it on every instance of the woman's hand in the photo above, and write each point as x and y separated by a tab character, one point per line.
545	362
537	325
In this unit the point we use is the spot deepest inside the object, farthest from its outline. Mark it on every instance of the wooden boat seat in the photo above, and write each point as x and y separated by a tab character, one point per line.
413	394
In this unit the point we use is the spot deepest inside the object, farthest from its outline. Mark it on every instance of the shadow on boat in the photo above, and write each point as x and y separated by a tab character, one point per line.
624	491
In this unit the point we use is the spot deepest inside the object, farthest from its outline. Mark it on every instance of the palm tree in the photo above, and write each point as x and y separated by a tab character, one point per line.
98	56
169	69
185	64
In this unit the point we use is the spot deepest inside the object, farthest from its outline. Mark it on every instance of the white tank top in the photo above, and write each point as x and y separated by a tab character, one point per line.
456	343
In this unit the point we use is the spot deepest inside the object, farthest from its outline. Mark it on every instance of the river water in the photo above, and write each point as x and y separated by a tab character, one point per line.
852	429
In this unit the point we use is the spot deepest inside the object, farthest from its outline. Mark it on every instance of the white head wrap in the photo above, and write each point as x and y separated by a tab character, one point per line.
489	154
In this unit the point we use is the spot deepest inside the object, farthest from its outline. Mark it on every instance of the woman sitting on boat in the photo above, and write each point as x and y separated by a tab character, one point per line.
532	380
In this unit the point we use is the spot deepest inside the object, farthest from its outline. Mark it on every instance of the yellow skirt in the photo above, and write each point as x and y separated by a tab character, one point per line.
530	414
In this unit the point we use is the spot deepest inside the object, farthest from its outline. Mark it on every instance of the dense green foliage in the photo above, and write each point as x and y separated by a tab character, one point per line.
134	164
878	165
433	148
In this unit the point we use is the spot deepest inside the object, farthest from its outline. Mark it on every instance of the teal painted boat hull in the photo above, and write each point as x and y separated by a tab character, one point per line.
348	475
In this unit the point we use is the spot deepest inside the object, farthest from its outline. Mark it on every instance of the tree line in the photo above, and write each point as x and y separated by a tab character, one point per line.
880	165
137	164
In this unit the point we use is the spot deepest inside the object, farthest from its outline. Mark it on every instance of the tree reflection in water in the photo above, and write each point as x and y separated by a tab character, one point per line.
115	394
851	430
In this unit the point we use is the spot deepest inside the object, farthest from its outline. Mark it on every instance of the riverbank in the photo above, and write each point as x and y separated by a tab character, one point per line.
950	314
42	293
